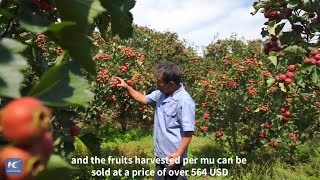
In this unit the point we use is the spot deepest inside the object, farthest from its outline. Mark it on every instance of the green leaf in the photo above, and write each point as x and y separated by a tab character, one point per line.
92	142
11	65
130	4
82	12
300	82
307	6
13	45
315	76
62	85
270	81
34	23
56	28
295	50
78	46
282	87
121	17
57	168
272	27
279	28
102	22
257	6
274	60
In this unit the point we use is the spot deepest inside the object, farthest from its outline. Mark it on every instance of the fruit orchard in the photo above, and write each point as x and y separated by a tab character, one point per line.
57	74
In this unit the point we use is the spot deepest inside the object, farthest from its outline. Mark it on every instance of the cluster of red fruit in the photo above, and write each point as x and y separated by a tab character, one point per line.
102	76
102	56
285	115
44	5
293	137
134	79
206	116
261	135
219	133
129	52
41	39
252	61
141	57
241	68
315	59
271	45
252	90
59	51
123	69
205	83
282	12
114	83
266	125
204	128
273	143
287	78
25	123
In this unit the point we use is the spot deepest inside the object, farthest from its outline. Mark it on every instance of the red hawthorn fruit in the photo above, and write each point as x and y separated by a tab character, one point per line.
314	52
261	135
273	143
277	78
274	38
311	15
284	119
293	137
287	114
219	133
266	125
317	57
204	128
43	147
307	60
291	67
266	7
288	12
24	120
313	61
31	164
283	77
283	110
290	74
288	81
74	130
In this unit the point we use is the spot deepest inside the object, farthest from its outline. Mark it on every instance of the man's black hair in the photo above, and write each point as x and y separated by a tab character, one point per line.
169	72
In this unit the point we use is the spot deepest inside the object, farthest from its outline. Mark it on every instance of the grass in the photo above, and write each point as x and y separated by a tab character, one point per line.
140	144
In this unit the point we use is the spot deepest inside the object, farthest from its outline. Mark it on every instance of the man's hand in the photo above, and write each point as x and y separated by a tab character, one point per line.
173	156
120	82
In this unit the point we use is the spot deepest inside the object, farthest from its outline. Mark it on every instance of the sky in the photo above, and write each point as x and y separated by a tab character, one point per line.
199	21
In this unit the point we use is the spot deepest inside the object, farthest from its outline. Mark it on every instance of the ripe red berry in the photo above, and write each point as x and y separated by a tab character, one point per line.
24	120
31	164
284	119
283	77
74	130
287	114
290	74
313	61
314	52
288	81
291	67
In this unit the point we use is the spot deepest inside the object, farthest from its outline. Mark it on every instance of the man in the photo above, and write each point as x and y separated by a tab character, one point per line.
173	120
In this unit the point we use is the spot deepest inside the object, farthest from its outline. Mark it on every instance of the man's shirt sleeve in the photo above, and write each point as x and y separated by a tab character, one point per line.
153	97
187	114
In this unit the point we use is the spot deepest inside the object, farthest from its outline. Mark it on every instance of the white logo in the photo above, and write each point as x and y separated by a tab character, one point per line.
13	164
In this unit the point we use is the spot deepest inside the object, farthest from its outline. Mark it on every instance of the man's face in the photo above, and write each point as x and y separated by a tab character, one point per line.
164	87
